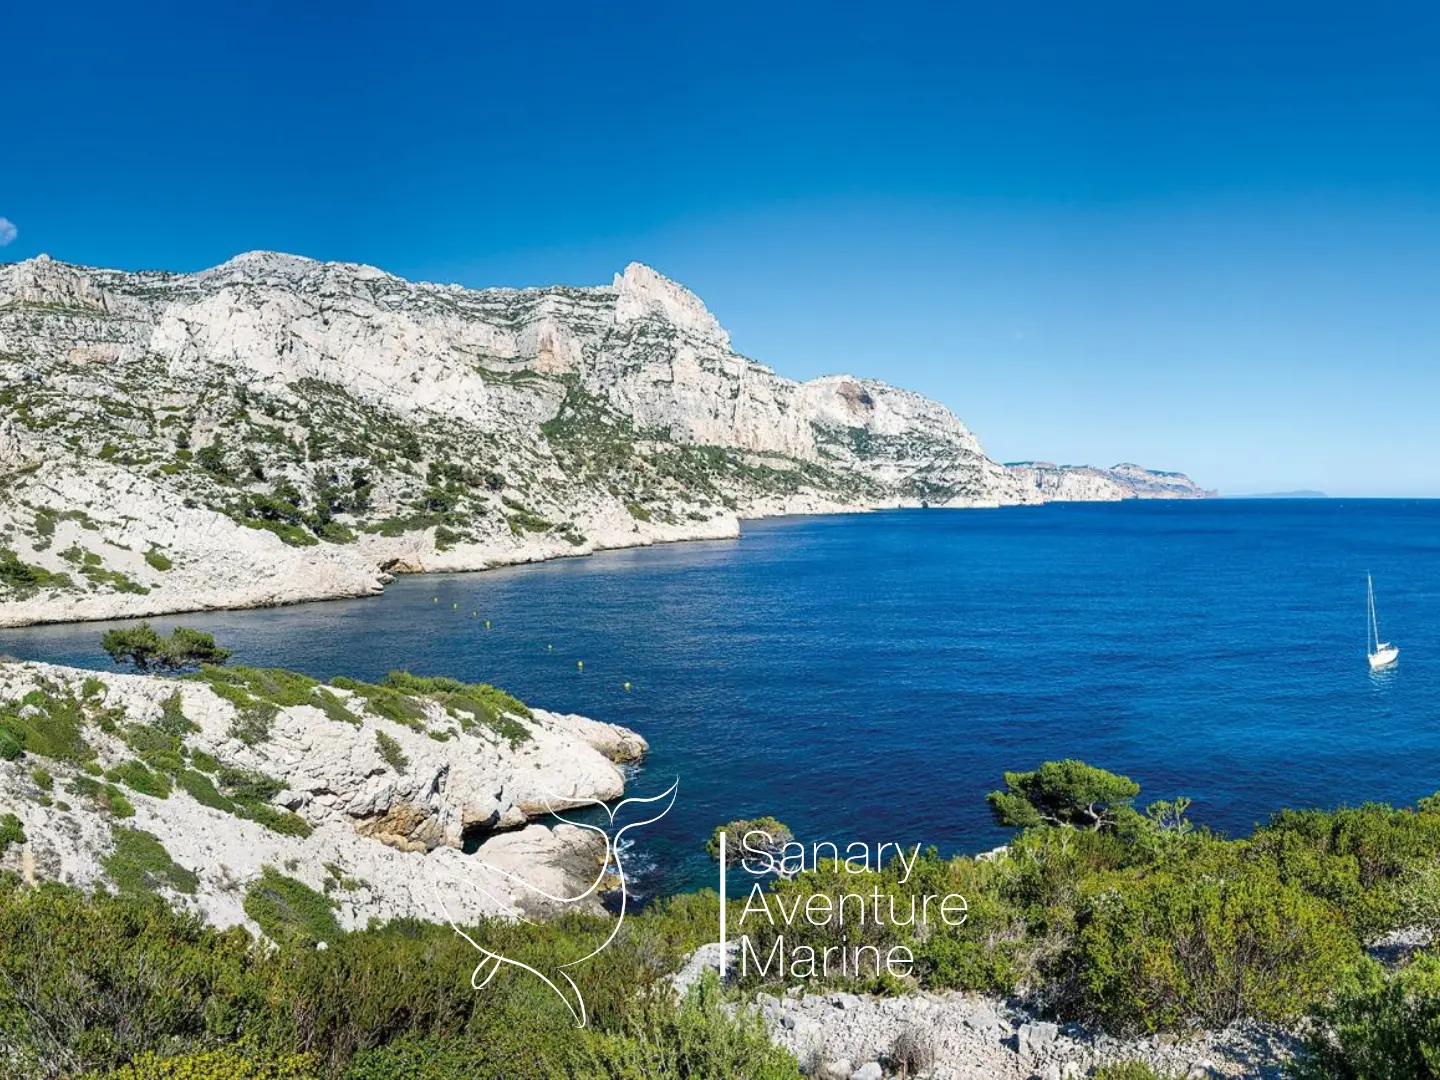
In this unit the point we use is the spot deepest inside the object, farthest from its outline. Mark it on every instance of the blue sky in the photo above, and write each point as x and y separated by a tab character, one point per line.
1201	236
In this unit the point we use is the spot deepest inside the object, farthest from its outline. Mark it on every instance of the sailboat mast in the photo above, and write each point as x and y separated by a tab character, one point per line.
1369	611
1374	628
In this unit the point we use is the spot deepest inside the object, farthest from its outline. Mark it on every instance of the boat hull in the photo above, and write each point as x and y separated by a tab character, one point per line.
1383	657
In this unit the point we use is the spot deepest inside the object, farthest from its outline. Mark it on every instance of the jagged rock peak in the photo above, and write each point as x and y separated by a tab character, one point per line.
642	291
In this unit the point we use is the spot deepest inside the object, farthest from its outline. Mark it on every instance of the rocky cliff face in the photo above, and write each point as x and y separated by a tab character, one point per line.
277	429
1085	483
366	794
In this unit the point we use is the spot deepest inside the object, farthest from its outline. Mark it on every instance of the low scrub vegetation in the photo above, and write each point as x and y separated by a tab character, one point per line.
187	1002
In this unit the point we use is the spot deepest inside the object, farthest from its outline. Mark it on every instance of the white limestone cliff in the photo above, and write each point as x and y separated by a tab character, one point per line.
1086	483
277	429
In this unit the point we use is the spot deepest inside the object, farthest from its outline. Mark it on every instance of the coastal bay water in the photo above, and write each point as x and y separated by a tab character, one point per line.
870	677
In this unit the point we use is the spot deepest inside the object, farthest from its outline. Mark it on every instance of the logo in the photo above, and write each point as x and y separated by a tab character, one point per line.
485	873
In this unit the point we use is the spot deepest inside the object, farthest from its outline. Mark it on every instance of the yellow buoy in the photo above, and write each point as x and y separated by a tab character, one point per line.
627	687
435	599
549	648
472	614
454	607
580	665
487	624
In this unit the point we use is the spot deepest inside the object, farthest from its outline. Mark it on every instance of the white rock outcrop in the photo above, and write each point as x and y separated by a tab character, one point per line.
381	834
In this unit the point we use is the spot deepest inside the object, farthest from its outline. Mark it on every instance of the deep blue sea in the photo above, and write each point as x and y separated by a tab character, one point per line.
871	677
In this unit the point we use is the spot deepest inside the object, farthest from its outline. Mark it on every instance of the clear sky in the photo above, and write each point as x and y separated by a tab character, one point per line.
1198	235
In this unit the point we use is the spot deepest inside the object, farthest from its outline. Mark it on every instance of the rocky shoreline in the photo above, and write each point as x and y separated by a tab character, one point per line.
374	788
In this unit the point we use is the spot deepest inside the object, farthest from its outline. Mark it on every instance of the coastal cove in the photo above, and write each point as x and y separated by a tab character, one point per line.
874	675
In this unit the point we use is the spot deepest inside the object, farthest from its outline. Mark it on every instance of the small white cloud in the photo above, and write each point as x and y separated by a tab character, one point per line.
8	231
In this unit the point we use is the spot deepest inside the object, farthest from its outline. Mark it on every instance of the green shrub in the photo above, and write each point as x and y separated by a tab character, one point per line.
333	707
12	831
1378	1026
250	794
522	1048
287	909
386	702
284	822
700	1040
173	720
390	751
43	780
25	578
134	775
93	981
254	724
246	685
1357	858
85	787
113	802
107	798
120	582
226	1064
292	535
158	559
47	722
471	703
151	744
257	694
1208	947
200	788
140	864
333	532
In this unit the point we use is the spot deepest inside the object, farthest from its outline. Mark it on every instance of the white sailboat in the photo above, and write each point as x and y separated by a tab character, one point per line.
1381	653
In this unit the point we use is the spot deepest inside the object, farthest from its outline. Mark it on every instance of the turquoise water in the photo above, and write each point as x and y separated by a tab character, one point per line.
870	677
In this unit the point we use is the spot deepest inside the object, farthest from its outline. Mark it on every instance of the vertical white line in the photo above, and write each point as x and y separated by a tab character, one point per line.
722	906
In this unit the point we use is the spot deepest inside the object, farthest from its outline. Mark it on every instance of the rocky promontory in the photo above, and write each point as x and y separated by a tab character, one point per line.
1086	483
368	794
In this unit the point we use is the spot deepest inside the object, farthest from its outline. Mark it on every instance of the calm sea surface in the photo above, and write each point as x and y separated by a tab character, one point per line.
870	677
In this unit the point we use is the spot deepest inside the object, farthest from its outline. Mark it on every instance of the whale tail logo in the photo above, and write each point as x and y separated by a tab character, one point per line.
487	877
